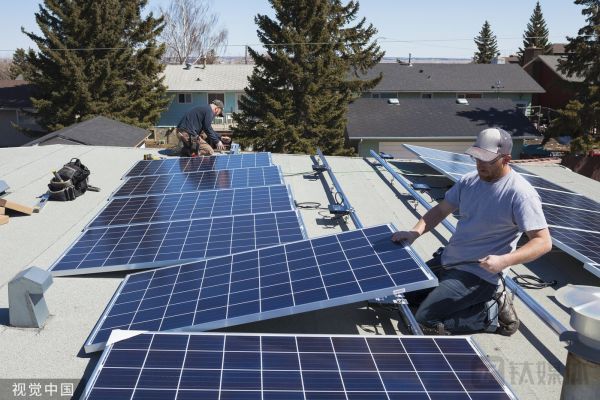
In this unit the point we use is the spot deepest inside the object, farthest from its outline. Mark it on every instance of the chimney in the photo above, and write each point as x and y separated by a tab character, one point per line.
531	53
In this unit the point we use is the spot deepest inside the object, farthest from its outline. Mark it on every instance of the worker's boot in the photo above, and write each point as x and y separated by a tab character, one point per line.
507	316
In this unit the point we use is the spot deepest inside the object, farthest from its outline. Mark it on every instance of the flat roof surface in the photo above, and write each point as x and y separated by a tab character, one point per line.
531	361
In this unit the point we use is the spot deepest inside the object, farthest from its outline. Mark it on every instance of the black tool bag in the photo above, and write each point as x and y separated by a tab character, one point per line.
70	181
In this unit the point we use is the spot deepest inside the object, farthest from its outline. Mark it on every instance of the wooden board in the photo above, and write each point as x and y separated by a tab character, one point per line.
2	211
4	219
16	206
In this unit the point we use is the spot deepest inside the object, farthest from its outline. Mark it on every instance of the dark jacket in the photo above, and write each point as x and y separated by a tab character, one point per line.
200	119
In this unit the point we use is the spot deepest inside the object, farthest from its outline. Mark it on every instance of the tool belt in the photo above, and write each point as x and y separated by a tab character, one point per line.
191	144
70	181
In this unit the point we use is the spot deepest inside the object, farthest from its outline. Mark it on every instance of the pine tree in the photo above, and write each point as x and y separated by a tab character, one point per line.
583	60
298	94
96	57
487	45
536	34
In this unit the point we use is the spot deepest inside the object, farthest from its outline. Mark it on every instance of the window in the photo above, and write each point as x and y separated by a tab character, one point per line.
389	95
473	95
427	95
185	98
461	96
216	96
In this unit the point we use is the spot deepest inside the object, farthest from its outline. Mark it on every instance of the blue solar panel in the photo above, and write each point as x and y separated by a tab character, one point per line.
194	205
197	181
538	182
293	367
266	283
168	243
440	154
572	200
580	244
572	218
452	170
196	164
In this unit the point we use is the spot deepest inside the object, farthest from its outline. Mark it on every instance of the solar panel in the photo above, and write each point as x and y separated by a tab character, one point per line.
452	170
572	218
231	366
266	283
538	182
440	154
197	181
196	164
194	205
167	243
572	200
582	245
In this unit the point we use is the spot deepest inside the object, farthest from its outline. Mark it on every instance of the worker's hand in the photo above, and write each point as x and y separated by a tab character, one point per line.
493	264
408	236
220	146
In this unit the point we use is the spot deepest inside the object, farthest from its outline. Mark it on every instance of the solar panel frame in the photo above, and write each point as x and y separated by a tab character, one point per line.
142	186
293	366
235	222
225	199
425	280
196	164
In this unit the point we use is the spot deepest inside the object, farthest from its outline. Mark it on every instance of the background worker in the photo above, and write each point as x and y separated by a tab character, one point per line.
496	205
197	121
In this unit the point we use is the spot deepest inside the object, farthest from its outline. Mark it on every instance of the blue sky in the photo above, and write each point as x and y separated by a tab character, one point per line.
432	28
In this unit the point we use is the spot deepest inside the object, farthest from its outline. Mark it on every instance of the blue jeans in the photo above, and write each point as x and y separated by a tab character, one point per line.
459	302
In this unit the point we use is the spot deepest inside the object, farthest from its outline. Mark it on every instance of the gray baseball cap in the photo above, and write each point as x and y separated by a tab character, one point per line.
219	104
491	143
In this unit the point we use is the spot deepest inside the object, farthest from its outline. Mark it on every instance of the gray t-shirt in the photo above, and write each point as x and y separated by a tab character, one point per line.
493	215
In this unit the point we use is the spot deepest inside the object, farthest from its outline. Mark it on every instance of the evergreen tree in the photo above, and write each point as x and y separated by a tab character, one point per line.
96	57
536	34
583	60
487	45
299	91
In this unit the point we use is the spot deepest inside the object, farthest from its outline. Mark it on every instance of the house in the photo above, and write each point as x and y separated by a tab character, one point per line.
559	88
454	81
15	104
98	131
441	123
194	85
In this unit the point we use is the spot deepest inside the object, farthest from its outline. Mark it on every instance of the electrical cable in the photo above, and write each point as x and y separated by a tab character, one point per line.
532	282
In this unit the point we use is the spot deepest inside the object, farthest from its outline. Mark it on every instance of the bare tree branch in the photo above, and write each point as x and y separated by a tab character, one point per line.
191	31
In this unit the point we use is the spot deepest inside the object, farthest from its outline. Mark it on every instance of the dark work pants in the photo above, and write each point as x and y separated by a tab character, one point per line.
459	301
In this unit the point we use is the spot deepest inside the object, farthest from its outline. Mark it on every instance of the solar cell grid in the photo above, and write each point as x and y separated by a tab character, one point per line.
451	169
572	218
266	283
159	244
195	164
285	367
586	244
193	205
197	181
568	200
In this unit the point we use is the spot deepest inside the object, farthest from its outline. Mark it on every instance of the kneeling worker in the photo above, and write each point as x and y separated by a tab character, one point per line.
191	127
496	206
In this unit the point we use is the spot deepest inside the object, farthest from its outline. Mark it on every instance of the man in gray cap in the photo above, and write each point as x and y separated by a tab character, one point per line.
496	205
191	127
